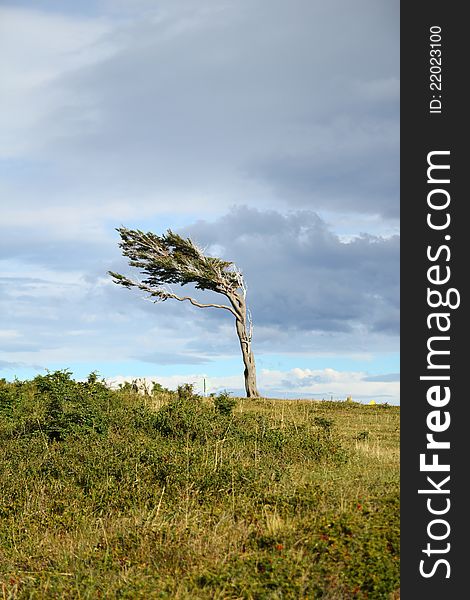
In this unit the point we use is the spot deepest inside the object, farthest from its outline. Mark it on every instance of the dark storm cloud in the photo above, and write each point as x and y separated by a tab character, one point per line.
338	178
301	276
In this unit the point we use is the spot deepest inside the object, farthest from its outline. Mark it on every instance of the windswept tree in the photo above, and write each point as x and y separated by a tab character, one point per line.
171	259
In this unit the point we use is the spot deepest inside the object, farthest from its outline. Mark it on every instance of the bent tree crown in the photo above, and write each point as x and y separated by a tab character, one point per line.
168	259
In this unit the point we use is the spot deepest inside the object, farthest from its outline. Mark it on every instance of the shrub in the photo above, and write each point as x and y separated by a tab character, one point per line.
186	392
184	416
70	406
157	388
324	423
7	399
224	404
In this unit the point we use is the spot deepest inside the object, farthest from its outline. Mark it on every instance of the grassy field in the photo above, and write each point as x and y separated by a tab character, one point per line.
110	494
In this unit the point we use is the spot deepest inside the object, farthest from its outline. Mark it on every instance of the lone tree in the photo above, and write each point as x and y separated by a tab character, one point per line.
171	259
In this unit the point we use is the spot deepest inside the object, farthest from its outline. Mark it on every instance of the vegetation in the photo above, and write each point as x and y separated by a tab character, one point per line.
113	494
171	259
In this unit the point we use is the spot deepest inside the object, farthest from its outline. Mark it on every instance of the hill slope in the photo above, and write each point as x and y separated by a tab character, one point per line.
108	494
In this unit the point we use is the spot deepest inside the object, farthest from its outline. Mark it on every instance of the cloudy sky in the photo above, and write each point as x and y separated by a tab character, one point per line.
267	131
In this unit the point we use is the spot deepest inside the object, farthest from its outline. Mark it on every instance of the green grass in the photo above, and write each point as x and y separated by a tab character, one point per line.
115	495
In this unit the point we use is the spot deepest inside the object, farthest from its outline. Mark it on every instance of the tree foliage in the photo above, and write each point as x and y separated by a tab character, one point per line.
168	259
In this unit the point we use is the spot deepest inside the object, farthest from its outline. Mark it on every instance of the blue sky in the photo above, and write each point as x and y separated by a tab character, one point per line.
267	132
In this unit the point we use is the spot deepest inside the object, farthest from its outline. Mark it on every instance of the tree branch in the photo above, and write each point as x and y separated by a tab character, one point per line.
162	294
195	303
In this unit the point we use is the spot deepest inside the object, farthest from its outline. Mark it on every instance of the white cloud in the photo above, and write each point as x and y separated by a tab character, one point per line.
8	334
327	383
323	376
296	383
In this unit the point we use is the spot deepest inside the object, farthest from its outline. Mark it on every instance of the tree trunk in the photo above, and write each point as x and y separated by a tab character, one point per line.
248	360
245	344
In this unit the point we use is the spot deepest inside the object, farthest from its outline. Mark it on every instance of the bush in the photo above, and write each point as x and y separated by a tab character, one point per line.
324	424
186	392
69	407
7	399
224	404
184	416
157	388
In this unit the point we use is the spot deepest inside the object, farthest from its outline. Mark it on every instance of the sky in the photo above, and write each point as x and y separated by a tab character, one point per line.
268	132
